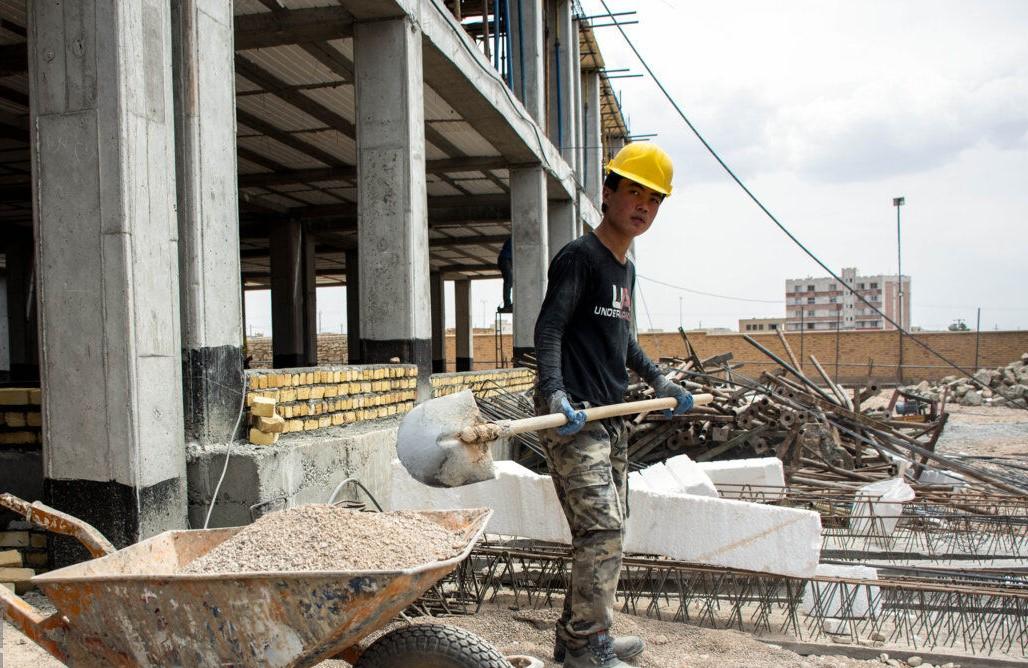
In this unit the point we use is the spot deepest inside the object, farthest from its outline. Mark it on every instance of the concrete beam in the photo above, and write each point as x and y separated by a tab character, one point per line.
208	218
392	226
289	177
103	143
460	73
529	230
268	29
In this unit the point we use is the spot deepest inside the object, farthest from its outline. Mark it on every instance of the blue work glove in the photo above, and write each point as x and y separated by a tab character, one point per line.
559	403
665	388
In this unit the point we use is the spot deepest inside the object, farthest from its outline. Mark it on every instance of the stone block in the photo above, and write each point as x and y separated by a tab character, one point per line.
275	424
763	475
19	576
34	419
258	437
698	529
725	532
659	479
14	419
262	407
691	478
10	558
14	396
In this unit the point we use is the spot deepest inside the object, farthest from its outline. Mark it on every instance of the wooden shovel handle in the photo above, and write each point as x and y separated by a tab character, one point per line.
599	413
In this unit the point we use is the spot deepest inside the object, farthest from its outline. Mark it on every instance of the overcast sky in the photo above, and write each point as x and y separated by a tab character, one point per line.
827	110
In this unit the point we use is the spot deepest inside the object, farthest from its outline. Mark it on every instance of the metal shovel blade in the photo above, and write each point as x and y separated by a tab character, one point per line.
428	448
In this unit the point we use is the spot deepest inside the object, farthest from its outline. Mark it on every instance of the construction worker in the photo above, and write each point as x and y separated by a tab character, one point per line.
505	261
583	343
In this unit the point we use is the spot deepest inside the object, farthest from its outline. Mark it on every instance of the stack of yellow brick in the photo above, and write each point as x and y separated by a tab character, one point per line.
483	383
22	555
333	396
265	422
20	419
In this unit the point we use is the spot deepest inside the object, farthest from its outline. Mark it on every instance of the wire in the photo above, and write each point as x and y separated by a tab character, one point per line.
228	453
711	294
646	308
767	212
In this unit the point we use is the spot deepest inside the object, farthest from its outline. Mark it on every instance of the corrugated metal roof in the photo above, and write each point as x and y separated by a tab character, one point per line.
291	64
278	112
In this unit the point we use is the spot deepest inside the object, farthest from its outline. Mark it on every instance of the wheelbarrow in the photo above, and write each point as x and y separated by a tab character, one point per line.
128	607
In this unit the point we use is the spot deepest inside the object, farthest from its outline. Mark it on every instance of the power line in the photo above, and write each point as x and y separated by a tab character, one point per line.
711	294
767	212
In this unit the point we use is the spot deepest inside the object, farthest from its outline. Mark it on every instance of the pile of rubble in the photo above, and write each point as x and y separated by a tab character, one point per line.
1003	386
828	438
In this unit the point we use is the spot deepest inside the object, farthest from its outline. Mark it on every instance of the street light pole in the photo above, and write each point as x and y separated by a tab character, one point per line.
899	202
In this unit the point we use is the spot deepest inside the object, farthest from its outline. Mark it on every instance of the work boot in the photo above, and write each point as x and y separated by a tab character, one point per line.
625	647
599	653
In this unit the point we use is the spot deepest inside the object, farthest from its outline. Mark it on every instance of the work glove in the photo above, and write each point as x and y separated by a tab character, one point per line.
559	403
665	388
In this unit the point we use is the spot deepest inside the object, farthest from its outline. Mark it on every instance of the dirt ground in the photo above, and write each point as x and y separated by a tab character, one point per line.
530	632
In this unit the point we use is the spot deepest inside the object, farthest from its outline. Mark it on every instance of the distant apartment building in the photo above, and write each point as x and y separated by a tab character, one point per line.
824	304
761	324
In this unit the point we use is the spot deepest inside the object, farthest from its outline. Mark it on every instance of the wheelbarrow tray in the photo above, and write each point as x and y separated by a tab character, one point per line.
130	608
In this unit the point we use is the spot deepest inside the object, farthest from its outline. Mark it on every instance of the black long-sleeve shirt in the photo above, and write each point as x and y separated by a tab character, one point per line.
583	337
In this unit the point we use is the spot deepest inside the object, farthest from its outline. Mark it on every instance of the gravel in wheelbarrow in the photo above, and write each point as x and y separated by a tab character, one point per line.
324	538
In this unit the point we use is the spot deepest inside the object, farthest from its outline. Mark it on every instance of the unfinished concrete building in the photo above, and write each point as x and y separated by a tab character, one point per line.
159	158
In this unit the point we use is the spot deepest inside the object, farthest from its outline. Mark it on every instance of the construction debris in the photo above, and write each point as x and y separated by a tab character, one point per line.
827	437
1002	386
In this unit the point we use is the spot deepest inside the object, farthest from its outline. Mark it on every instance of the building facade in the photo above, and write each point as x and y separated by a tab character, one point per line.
761	324
826	304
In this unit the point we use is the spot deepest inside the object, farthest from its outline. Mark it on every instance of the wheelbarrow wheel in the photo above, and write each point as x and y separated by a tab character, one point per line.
431	646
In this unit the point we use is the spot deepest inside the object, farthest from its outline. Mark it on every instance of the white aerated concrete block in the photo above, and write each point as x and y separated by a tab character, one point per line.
723	532
697	529
636	482
524	503
659	479
691	478
839	600
764	475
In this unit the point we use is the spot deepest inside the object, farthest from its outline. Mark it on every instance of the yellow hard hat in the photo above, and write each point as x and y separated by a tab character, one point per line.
646	164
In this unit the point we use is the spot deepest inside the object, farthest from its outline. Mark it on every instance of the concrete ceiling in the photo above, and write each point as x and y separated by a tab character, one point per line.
296	113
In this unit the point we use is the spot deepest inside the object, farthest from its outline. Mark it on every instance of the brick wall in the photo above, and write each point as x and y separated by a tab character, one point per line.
20	418
485	383
317	398
856	350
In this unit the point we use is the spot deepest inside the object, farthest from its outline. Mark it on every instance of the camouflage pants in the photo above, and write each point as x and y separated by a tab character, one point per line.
590	473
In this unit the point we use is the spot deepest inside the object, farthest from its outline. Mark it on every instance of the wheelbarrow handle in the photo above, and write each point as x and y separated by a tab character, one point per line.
55	521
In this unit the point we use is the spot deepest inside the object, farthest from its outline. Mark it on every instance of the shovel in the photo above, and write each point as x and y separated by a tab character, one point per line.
444	442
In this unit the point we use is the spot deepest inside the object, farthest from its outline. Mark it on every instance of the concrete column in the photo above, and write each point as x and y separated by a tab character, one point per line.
438	289
5	342
210	284
576	88
528	210
21	320
465	334
562	224
526	17
592	141
561	41
293	326
102	123
353	308
392	210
